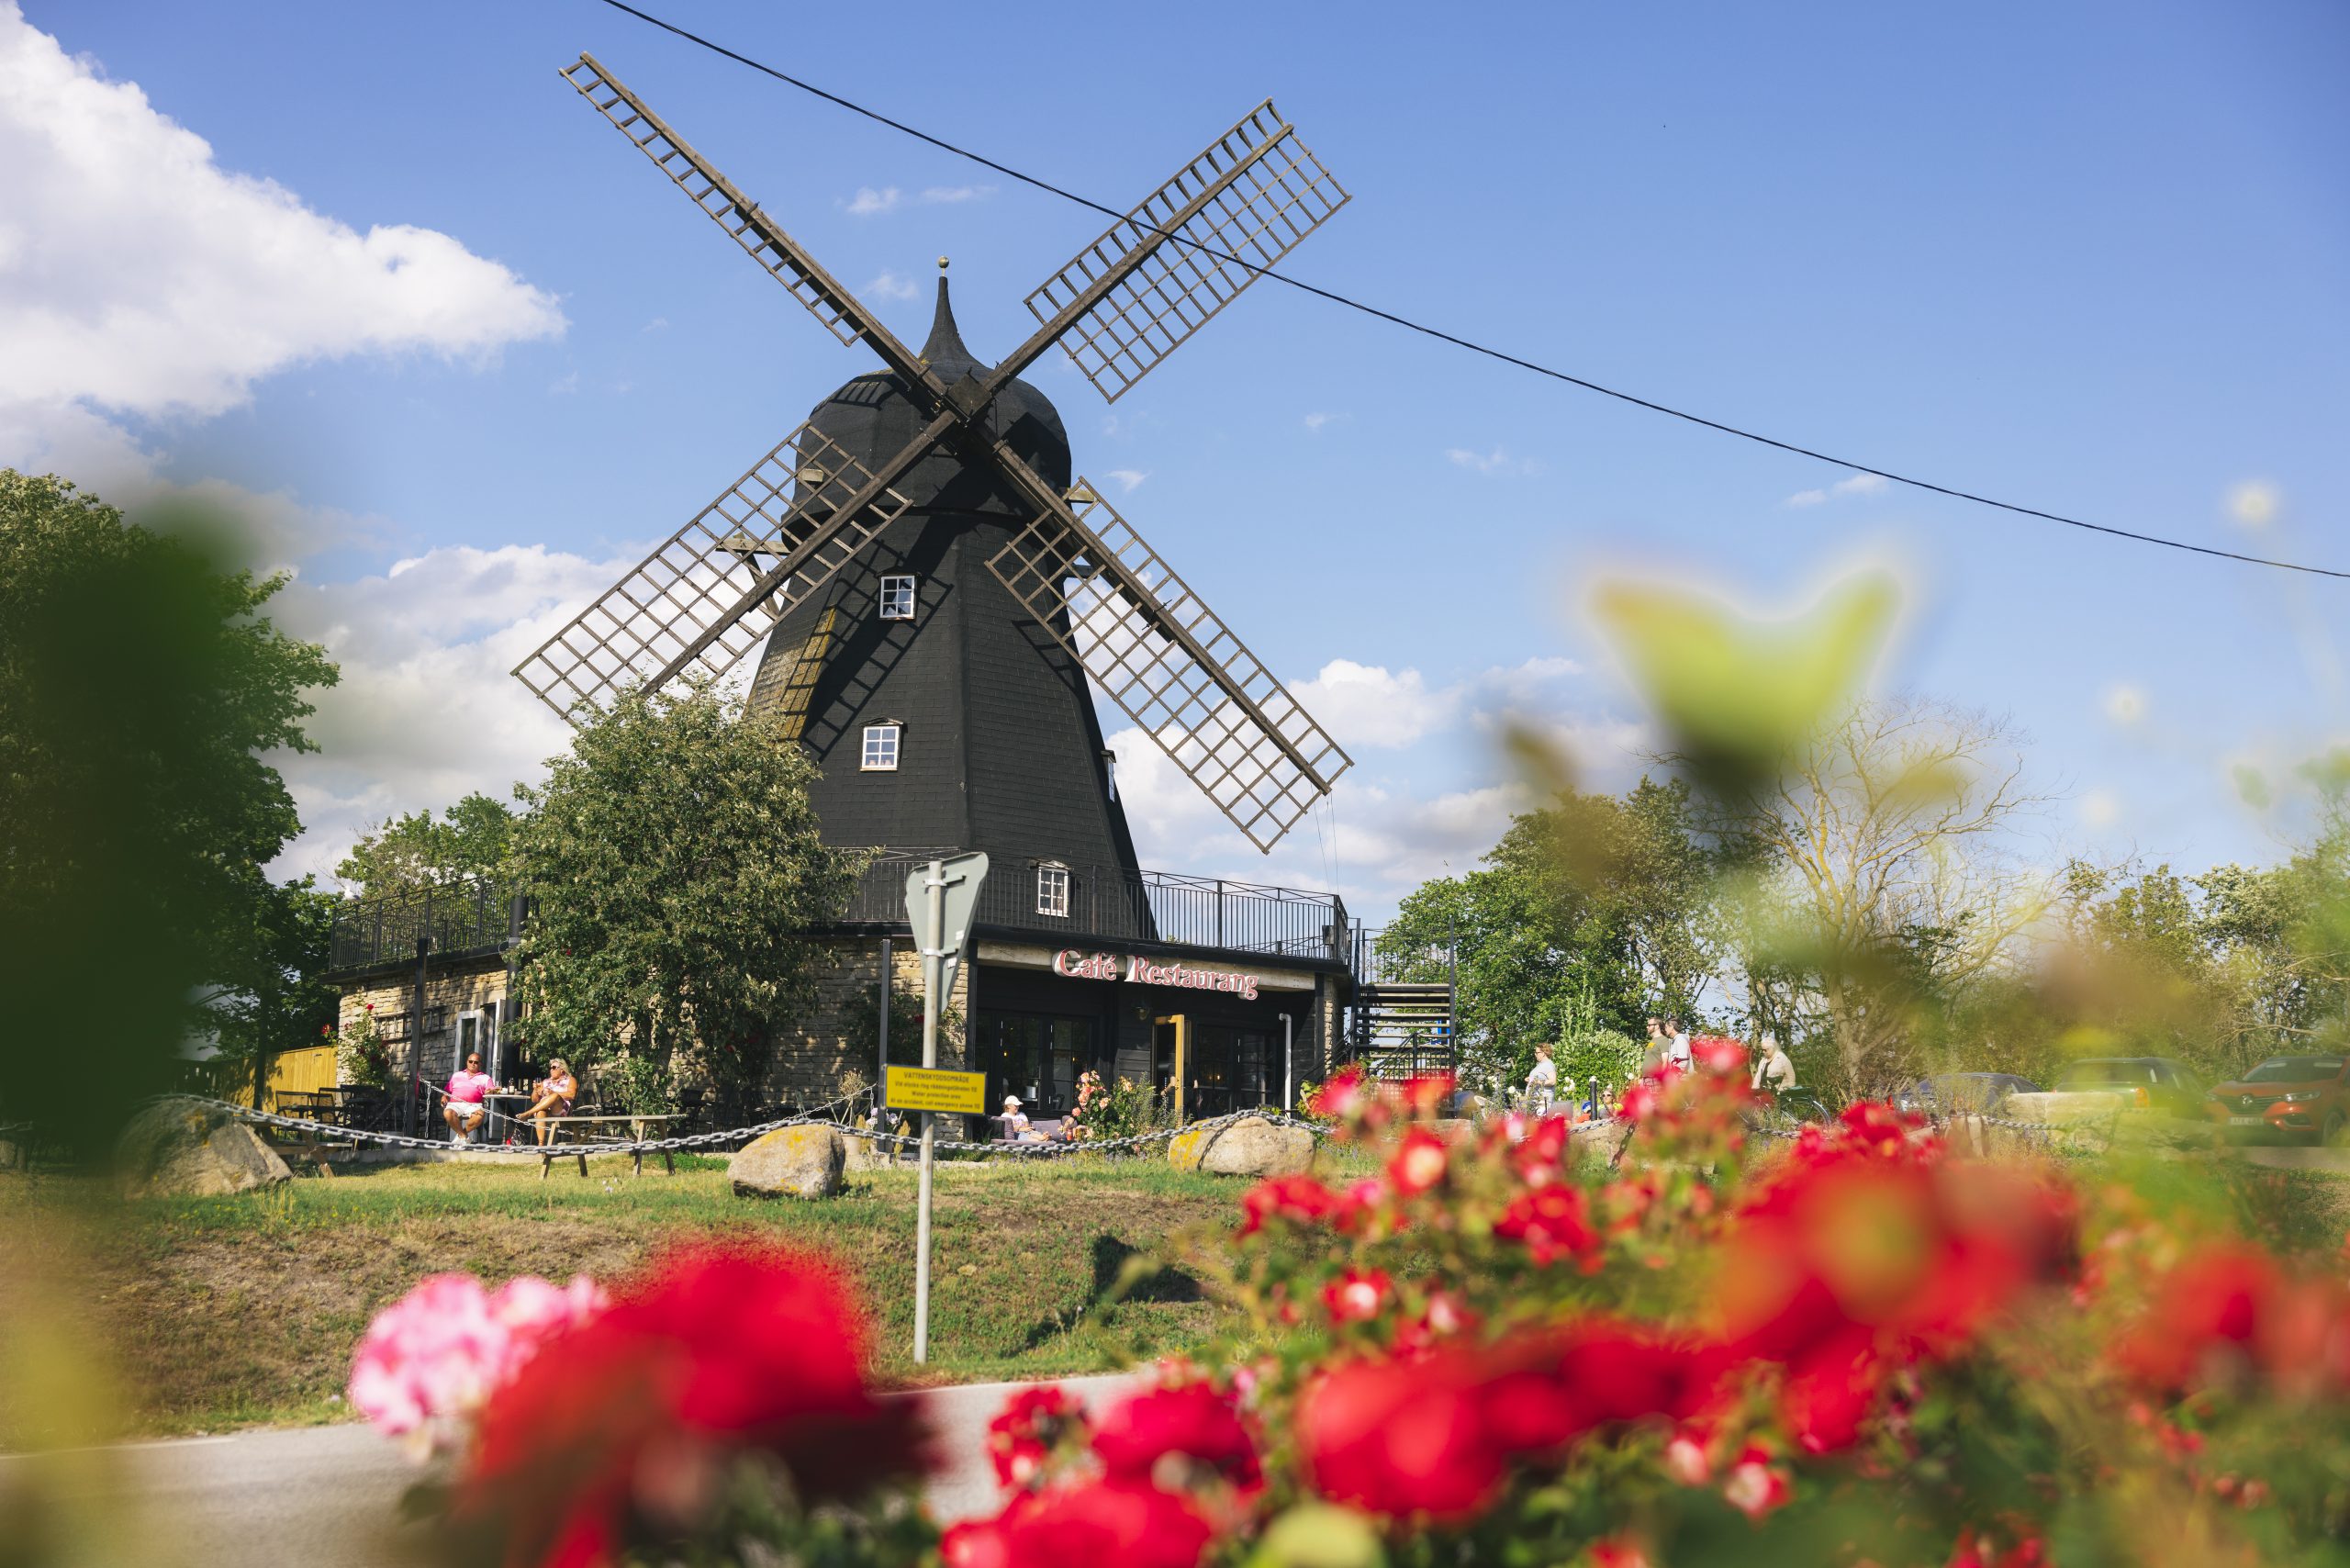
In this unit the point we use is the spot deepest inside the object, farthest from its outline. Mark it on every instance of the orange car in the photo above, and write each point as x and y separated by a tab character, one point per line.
2302	1097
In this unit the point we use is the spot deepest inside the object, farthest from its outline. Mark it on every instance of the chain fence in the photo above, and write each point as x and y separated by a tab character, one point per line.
2050	1137
692	1142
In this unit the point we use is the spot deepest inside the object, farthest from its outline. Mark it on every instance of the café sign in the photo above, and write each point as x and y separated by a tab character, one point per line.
1077	964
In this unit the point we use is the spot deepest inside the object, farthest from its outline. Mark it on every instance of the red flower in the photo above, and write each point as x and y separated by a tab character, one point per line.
1299	1198
1403	1438
1345	1096
1427	1094
1356	1295
2205	1321
1193	1420
1419	1162
1022	1434
1718	1054
615	1433
1756	1486
1552	1222
1127	1524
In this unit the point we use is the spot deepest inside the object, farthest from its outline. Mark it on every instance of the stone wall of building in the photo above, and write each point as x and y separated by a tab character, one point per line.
813	1060
477	986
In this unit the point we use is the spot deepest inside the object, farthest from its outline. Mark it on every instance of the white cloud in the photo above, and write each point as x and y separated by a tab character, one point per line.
868	202
658	324
426	709
1858	485
2100	809
951	193
890	286
1128	479
1498	462
138	275
1317	421
1367	705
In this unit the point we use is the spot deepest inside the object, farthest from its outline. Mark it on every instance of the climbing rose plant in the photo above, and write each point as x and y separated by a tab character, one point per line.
1667	1340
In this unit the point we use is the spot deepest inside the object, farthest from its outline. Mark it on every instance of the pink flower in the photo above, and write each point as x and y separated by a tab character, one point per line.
429	1361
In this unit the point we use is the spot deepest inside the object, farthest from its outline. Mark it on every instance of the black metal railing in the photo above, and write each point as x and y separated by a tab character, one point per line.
1110	902
462	920
1379	956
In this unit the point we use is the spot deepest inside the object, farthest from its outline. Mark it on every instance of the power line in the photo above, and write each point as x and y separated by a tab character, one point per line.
1440	335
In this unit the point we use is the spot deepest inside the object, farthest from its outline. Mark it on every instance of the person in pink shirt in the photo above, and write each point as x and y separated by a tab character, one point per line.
468	1094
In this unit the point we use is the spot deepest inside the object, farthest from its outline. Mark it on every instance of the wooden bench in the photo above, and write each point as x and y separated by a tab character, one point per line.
549	1153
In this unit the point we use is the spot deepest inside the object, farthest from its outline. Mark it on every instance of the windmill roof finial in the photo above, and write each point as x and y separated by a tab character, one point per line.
945	345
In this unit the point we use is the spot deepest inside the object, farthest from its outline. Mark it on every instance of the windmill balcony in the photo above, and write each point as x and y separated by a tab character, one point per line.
1110	904
1105	905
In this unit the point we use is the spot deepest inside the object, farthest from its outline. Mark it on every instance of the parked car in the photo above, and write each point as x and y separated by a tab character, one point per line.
2299	1097
1965	1093
2148	1083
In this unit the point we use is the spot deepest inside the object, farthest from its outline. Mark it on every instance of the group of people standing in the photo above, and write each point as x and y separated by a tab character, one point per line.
1668	1045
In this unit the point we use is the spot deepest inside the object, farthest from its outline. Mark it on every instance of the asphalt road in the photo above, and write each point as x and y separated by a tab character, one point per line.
327	1497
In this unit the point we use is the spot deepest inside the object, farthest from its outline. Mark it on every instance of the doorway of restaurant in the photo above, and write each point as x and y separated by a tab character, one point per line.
1170	1040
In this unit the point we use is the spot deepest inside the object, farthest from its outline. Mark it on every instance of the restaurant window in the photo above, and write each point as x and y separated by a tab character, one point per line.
1052	891
880	748
897	599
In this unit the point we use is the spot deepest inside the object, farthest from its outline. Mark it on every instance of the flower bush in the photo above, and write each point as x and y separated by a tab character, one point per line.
716	1406
362	1057
1668	1339
1100	1111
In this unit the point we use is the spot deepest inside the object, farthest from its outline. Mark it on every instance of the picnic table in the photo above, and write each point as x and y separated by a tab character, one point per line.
637	1123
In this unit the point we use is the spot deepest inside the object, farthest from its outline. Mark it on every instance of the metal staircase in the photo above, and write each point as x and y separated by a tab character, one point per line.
1401	1022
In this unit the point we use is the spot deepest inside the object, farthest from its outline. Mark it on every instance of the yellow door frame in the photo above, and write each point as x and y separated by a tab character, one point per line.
1182	1022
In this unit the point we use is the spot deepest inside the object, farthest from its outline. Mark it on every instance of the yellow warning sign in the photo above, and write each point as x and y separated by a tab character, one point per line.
934	1089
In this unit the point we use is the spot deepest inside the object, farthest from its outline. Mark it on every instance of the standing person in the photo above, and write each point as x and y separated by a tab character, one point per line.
1652	1055
556	1091
1676	1051
467	1093
1542	1082
1774	1068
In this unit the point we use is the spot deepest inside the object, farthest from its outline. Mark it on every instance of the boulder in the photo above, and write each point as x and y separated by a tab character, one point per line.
181	1149
1250	1146
791	1162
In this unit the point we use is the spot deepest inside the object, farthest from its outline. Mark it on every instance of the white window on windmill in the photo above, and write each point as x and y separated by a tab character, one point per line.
897	599
881	748
1110	772
1052	889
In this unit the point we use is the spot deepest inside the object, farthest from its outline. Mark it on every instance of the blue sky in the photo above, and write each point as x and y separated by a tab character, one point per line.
2090	256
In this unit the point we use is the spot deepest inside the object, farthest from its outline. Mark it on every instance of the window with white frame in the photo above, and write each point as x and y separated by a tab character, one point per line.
1052	889
897	599
881	748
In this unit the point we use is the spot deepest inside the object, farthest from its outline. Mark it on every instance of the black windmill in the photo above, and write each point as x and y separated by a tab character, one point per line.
933	586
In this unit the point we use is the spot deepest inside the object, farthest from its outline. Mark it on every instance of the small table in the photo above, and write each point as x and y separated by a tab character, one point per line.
636	1125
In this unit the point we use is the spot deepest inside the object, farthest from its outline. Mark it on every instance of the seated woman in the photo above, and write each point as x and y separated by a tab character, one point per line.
1017	1126
553	1097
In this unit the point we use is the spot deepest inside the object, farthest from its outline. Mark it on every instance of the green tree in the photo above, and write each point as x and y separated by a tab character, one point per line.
675	859
1586	916
472	838
279	1002
139	689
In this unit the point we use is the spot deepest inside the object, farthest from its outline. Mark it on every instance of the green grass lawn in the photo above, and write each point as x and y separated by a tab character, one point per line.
233	1311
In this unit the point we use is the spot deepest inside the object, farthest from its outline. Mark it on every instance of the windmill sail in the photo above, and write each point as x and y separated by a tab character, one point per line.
1156	649
1282	195
696	600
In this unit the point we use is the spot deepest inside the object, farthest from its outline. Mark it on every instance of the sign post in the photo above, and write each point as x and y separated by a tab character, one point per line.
939	901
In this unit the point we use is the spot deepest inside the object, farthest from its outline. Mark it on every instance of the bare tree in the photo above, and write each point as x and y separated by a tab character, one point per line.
1881	877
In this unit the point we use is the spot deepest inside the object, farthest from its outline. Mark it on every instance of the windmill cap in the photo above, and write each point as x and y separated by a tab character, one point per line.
873	417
